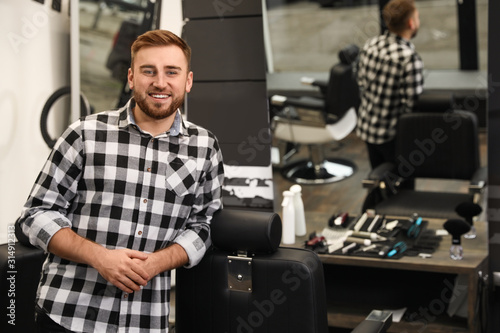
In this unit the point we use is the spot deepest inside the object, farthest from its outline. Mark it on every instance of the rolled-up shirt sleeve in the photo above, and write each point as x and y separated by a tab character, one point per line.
45	211
195	239
414	81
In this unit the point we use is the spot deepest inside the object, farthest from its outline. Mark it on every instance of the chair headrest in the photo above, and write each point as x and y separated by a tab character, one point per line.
434	101
349	54
245	230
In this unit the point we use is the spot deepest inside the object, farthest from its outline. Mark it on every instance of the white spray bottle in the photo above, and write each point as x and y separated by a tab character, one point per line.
300	218
288	236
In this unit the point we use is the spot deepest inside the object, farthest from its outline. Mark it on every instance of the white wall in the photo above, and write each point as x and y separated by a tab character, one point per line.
171	17
35	62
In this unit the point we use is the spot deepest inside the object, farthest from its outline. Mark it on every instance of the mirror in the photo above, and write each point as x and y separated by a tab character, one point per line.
107	29
305	38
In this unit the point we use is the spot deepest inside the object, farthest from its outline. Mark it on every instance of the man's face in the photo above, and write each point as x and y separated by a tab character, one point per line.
159	79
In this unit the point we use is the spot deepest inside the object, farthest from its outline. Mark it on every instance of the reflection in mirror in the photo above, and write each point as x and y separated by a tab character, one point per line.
305	38
107	29
307	35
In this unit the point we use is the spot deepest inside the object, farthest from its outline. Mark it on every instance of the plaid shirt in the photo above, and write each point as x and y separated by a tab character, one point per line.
390	78
118	186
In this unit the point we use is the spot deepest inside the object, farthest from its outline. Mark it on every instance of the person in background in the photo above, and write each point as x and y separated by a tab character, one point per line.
125	197
390	78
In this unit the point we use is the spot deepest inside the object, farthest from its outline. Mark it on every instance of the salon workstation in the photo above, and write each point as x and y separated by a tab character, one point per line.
310	237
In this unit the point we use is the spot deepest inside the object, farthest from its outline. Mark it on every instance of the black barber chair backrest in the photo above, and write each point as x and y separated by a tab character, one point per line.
272	290
438	145
246	230
434	101
349	55
343	91
21	237
20	269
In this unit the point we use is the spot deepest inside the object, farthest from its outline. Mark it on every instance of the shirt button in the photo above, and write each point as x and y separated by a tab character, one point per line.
152	140
125	295
145	200
149	169
139	233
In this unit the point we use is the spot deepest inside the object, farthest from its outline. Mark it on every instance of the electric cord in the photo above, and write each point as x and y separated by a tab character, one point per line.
85	109
481	307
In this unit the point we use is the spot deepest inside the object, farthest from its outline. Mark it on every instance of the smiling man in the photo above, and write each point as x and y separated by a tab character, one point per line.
125	197
159	78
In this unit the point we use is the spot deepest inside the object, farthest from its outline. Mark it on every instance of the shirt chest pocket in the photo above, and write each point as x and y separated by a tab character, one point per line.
181	176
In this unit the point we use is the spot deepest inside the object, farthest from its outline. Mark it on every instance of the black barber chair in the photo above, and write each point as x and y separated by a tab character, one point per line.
247	283
316	122
20	267
435	146
435	101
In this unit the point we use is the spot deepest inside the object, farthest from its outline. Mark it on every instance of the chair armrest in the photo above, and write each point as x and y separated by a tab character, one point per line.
278	100
376	322
309	81
306	102
479	180
321	84
378	174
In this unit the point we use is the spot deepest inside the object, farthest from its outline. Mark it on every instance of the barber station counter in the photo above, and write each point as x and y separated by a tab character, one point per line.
453	80
424	286
470	88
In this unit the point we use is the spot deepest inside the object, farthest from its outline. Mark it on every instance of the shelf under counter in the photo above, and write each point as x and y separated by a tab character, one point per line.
349	317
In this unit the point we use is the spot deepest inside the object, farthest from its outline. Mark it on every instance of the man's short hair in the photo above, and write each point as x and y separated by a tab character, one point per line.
160	38
396	14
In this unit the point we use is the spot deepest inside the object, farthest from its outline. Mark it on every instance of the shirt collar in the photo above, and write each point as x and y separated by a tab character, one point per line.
399	39
127	119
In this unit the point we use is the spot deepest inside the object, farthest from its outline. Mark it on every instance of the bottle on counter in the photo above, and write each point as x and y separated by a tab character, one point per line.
288	220
300	218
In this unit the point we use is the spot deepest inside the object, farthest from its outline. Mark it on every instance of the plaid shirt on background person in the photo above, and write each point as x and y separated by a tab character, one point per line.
390	78
122	188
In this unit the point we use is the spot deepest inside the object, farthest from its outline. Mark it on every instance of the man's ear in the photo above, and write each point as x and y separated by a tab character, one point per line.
411	23
189	82
130	78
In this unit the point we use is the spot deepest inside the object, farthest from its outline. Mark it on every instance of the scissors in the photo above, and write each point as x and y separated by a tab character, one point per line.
415	228
399	247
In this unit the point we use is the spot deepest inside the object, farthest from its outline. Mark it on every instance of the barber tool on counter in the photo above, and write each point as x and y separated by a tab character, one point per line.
456	228
415	227
468	210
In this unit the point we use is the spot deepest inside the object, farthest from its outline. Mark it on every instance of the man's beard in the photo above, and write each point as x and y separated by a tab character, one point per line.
157	110
414	34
